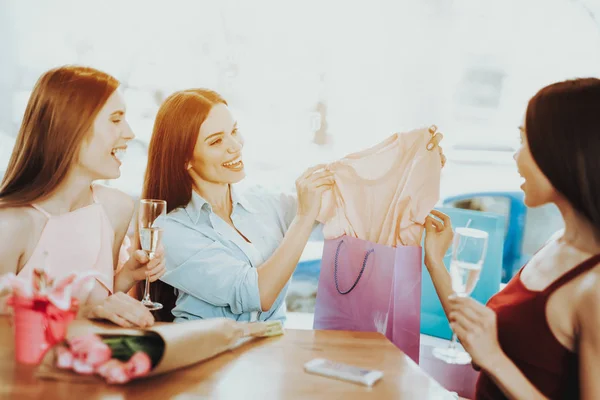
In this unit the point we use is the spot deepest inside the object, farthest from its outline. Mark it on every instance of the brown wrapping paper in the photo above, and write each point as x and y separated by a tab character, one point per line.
185	343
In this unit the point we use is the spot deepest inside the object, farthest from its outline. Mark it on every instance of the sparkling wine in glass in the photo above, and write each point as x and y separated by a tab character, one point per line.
150	225
468	253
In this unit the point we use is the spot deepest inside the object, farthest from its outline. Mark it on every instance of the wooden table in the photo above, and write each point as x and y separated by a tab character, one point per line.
269	368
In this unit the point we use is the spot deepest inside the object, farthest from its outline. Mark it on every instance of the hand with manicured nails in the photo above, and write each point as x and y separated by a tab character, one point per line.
438	237
310	187
434	142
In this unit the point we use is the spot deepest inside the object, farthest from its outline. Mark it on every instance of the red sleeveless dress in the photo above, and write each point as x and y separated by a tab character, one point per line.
526	338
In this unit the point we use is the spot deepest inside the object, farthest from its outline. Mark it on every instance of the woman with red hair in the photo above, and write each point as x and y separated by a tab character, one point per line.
230	252
52	216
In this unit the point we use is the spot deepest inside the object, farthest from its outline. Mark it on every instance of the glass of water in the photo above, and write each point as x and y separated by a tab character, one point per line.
150	219
468	252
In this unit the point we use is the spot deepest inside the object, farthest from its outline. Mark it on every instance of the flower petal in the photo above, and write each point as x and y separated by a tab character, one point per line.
82	367
64	358
80	345
113	371
98	354
81	284
139	364
19	286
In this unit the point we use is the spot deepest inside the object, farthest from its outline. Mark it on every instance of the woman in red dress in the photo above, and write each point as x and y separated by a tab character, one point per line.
539	337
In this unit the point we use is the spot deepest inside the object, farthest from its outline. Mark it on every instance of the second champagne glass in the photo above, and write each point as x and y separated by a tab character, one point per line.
468	253
150	224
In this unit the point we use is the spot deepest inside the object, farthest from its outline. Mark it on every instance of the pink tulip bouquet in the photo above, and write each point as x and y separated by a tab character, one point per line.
117	359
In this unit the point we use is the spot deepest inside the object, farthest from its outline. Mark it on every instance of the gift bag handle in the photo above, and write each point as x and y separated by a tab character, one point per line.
337	253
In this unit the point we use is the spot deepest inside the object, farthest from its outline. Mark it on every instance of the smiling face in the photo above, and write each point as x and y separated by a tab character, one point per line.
537	188
217	156
101	154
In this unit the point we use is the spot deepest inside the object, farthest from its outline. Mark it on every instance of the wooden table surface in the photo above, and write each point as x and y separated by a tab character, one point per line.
269	368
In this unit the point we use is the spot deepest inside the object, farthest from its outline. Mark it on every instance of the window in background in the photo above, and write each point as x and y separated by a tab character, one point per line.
499	205
309	85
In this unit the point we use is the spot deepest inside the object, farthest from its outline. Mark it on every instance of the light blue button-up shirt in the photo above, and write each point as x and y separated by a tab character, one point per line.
212	267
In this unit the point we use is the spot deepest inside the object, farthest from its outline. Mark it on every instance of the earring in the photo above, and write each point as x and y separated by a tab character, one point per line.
189	166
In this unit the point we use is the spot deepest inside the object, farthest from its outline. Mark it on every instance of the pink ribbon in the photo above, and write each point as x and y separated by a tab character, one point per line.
58	292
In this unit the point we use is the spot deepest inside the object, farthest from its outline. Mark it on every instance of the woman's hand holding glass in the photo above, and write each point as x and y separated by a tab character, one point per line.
140	266
469	247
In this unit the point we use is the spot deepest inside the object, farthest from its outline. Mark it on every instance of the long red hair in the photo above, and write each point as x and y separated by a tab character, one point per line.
58	118
174	137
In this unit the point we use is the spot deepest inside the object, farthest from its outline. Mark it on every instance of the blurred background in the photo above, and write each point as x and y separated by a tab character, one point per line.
314	80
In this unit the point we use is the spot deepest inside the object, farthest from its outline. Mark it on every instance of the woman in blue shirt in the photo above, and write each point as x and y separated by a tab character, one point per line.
230	252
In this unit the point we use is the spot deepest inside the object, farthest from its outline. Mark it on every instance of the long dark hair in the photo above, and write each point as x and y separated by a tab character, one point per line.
174	137
563	133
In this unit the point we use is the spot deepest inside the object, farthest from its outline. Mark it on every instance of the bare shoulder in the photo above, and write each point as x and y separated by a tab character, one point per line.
17	226
588	294
119	205
16	220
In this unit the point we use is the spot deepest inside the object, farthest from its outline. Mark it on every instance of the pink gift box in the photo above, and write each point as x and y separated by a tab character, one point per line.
38	325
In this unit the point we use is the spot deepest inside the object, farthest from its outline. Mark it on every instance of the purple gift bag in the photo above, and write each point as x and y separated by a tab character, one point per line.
369	287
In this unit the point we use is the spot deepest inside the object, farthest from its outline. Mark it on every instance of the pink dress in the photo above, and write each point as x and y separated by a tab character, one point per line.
384	193
80	240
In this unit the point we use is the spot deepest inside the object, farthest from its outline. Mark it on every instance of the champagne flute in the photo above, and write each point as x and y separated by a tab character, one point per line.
468	252
151	218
